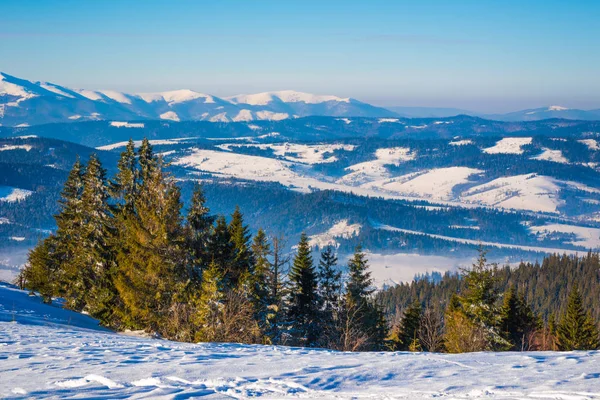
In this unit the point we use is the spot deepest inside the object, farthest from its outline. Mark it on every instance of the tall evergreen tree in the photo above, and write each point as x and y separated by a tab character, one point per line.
259	279
577	330
330	282
518	320
407	334
40	272
303	311
124	187
243	262
359	289
199	225
221	248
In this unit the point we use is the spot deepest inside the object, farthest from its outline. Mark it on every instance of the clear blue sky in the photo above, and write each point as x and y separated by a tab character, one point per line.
484	55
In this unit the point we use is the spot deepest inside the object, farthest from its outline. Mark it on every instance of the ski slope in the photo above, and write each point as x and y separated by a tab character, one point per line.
46	352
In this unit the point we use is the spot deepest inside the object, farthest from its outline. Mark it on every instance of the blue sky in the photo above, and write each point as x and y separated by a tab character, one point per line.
482	55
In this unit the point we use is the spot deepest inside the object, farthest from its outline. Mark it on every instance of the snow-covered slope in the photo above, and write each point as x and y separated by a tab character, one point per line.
48	352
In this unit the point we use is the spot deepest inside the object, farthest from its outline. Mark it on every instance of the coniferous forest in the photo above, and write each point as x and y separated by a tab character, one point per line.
126	253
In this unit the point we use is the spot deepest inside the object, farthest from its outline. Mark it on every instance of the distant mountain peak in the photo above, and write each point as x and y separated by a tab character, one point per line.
286	96
557	108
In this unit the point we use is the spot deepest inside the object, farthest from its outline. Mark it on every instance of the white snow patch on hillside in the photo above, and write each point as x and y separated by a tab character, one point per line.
461	142
12	194
221	117
509	146
286	96
11	89
435	183
586	237
119	124
176	96
551	155
592	144
116	96
170	115
75	117
557	108
137	143
51	88
49	352
387	120
89	94
521	192
302	153
395	155
7	147
347	121
243	115
24	125
341	229
17	238
271	116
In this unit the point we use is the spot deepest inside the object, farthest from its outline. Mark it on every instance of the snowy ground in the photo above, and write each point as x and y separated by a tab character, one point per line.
47	352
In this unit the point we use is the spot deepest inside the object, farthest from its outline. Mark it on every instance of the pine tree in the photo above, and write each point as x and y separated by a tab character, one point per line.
151	260
330	282
221	248
199	225
518	321
408	330
576	330
303	311
209	305
479	303
243	262
359	288
40	272
276	291
123	188
259	279
95	246
66	255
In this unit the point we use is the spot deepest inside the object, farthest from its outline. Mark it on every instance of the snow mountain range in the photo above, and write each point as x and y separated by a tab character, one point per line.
24	102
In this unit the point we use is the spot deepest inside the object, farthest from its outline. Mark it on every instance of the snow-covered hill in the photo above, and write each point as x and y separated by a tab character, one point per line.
47	352
27	102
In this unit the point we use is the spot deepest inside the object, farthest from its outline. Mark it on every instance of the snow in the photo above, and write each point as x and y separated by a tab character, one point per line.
557	108
7	147
89	94
521	192
51	88
384	120
74	117
243	115
341	229
118	124
461	142
176	96
286	96
370	171
509	146
592	144
586	237
551	155
25	125
395	155
157	142
221	117
49	352
347	121
11	89
479	242
302	153
17	238
12	194
271	116
116	96
170	115
437	183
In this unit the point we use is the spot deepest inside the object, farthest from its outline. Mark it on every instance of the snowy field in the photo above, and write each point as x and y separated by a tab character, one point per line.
47	352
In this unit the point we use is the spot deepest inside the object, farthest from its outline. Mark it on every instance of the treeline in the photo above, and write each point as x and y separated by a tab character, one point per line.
533	307
124	253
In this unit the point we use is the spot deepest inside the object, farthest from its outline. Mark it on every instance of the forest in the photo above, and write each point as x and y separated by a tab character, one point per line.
126	253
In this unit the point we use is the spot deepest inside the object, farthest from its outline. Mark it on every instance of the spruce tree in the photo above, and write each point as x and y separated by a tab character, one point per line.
577	330
303	309
123	188
330	282
407	334
40	272
359	289
259	279
209	305
199	225
221	249
243	262
518	320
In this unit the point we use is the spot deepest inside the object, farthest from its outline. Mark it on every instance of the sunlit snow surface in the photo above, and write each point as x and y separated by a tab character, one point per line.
46	354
